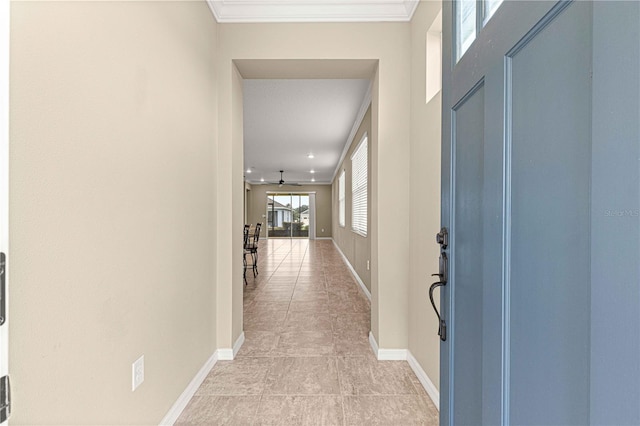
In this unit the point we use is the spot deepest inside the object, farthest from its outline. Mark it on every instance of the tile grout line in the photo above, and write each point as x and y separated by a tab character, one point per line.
291	298
264	388
322	259
333	338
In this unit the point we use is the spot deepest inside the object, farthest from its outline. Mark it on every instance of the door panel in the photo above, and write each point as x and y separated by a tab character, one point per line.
467	282
615	238
541	193
288	215
549	251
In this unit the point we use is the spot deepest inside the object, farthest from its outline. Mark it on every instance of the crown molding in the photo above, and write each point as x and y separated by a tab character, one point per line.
297	183
245	11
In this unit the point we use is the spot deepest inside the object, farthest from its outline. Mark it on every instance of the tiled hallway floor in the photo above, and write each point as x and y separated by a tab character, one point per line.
306	359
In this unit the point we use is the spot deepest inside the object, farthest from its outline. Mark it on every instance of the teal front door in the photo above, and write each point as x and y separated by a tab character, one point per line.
541	197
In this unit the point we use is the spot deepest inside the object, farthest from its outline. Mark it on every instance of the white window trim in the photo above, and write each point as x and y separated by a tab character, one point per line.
365	138
342	200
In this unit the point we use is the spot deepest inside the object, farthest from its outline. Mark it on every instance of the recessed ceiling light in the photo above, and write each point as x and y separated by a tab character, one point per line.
261	179
249	170
313	180
310	155
312	171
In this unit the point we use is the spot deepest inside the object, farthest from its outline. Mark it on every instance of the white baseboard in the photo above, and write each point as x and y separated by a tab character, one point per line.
324	238
177	408
228	354
353	271
386	354
402	355
225	354
392	354
185	397
238	344
426	382
373	343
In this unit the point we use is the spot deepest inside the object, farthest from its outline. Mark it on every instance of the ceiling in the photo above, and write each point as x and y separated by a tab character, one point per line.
286	120
313	10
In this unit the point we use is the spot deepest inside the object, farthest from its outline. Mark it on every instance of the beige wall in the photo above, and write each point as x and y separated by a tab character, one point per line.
389	44
230	210
126	193
354	246
258	205
113	118
424	208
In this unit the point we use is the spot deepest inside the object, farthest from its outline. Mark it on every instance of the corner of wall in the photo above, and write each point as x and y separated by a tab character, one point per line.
424	207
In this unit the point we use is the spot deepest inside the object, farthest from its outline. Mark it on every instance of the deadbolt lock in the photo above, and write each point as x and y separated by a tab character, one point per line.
442	238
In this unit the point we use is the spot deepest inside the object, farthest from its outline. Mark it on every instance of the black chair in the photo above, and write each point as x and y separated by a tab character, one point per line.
246	251
253	248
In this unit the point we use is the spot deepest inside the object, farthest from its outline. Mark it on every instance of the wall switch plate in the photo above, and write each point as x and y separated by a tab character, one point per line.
368	265
137	373
322	230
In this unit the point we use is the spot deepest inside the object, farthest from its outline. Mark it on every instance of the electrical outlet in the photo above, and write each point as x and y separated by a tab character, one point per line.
137	373
368	265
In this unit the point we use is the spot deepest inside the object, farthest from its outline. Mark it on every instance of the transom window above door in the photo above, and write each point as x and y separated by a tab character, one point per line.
469	20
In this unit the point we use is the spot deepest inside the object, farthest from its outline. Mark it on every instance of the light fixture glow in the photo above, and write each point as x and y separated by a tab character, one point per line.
313	180
312	171
249	170
310	155
261	179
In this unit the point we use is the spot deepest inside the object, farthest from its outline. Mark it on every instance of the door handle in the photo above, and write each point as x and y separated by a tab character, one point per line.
443	267
443	278
442	325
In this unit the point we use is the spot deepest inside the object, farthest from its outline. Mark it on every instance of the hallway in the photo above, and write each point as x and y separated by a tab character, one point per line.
306	357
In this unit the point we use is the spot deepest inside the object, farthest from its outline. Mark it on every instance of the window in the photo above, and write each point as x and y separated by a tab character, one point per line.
465	25
468	15
341	215
490	6
359	187
433	57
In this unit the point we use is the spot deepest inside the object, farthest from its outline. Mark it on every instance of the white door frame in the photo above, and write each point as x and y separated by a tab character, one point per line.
4	171
312	215
293	193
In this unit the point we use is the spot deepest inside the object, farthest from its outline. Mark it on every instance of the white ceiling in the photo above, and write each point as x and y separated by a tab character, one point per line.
313	10
285	120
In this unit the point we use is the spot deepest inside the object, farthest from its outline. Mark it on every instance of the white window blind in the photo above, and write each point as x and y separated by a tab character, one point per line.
359	178
341	197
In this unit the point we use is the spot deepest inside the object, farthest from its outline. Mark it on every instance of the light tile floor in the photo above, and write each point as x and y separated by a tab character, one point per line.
306	359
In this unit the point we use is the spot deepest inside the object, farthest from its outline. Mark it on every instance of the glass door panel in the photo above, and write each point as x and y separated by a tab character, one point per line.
288	215
300	226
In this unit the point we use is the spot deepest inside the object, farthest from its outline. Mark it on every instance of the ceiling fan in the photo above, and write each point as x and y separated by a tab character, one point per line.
282	182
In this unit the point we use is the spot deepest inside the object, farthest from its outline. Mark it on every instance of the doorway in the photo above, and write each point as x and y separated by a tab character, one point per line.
260	175
289	215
